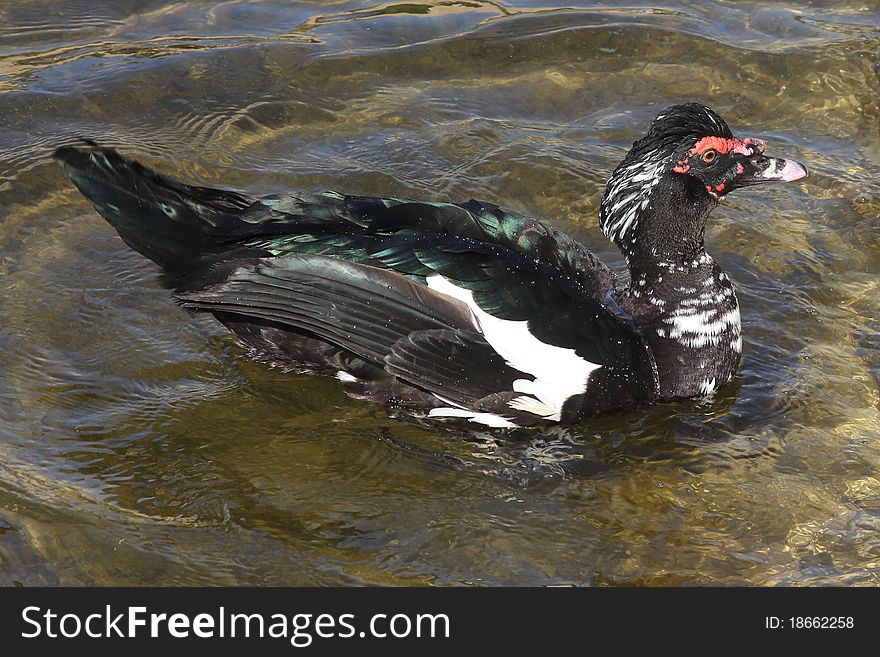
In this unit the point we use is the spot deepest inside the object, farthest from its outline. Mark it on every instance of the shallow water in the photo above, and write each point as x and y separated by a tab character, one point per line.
137	446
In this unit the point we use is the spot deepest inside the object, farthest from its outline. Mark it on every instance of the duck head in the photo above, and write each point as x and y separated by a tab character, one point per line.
658	199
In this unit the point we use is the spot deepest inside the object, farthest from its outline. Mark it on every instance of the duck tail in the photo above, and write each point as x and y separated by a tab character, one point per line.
167	221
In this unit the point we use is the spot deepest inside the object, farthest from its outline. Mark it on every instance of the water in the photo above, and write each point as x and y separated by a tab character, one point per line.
138	447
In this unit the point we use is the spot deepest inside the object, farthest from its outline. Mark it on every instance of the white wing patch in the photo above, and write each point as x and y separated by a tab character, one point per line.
558	373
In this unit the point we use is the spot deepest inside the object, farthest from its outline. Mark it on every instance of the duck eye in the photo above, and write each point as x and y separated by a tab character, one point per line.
709	156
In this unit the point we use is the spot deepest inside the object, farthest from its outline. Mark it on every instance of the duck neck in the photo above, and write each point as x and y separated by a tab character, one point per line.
688	310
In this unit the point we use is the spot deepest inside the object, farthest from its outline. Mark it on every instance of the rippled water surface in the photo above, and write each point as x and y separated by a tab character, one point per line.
137	446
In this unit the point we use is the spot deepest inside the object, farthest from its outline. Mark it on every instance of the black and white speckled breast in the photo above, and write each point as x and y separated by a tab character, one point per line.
690	315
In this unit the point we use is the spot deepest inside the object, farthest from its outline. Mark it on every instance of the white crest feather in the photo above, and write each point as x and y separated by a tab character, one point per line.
628	194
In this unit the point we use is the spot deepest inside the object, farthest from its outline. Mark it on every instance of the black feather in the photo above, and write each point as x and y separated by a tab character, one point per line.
676	125
167	221
459	366
353	306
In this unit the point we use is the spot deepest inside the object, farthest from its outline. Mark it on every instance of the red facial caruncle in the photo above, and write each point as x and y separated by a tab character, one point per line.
723	146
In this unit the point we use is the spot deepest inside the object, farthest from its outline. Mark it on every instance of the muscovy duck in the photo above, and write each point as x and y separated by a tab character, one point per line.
464	309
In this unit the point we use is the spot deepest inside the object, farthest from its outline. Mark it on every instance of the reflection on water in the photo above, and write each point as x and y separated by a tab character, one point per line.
138	447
